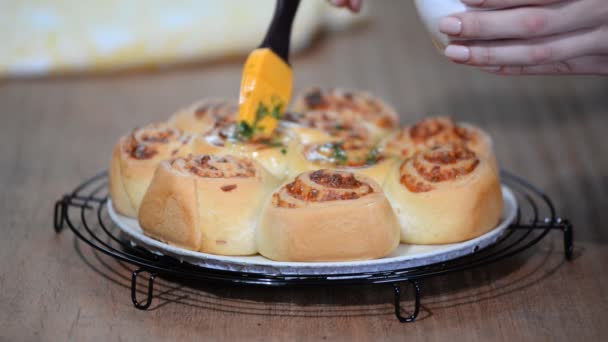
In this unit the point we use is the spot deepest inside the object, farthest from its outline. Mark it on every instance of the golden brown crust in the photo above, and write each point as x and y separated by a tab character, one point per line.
212	209
204	115
364	105
348	155
437	164
328	215
437	131
343	154
209	166
342	126
445	194
118	193
135	158
321	186
169	209
270	153
361	104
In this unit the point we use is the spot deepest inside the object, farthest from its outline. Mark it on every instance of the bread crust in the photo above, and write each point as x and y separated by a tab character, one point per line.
338	230
299	162
134	161
379	117
211	215
454	210
437	131
272	158
204	115
118	193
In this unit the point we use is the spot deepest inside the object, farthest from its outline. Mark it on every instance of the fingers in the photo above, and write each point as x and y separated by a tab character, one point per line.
524	22
507	3
588	65
529	52
353	5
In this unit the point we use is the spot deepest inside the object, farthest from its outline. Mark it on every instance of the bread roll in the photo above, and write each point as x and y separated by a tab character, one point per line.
204	115
349	155
206	203
271	154
379	117
437	131
328	215
134	159
316	126
445	194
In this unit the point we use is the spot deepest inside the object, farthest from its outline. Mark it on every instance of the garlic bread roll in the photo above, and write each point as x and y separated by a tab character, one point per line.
349	155
445	194
437	131
328	215
314	126
134	159
206	203
228	139
204	115
379	117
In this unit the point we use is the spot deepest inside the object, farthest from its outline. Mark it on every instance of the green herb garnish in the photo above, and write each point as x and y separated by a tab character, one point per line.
372	156
246	131
273	143
339	154
277	110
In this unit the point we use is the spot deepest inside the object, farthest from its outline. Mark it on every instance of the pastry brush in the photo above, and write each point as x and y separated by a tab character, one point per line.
267	80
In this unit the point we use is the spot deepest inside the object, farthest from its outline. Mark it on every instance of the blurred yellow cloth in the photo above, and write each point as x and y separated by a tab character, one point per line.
47	36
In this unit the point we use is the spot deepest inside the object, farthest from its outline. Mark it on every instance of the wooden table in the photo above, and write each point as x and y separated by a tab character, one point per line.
56	132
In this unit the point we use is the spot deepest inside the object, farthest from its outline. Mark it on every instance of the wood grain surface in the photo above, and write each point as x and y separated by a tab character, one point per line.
55	132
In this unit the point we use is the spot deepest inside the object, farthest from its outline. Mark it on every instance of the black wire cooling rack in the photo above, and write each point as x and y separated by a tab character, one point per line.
536	217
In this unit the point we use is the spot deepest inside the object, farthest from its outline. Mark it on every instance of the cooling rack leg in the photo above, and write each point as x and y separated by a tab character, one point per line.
59	213
568	238
397	303
149	293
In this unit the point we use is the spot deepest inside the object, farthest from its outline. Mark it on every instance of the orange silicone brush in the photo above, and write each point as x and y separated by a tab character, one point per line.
267	80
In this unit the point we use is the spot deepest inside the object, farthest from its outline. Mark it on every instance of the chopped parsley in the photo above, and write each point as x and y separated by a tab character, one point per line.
372	156
339	154
273	143
245	131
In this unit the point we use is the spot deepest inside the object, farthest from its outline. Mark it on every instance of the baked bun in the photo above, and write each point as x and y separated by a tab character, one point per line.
314	126
204	115
227	139
437	131
379	117
352	155
206	203
445	194
134	159
328	215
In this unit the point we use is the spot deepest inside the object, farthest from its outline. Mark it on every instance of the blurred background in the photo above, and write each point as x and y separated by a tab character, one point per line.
75	75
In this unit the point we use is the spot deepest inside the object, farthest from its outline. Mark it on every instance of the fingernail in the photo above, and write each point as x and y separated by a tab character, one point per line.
473	2
450	25
458	53
492	68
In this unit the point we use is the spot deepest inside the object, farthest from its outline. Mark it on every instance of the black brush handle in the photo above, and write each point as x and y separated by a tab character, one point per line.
279	32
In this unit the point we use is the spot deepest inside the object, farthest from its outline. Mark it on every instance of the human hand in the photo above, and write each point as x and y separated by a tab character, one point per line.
353	5
517	37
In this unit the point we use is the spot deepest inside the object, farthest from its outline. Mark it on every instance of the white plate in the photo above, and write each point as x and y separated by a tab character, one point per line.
404	256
